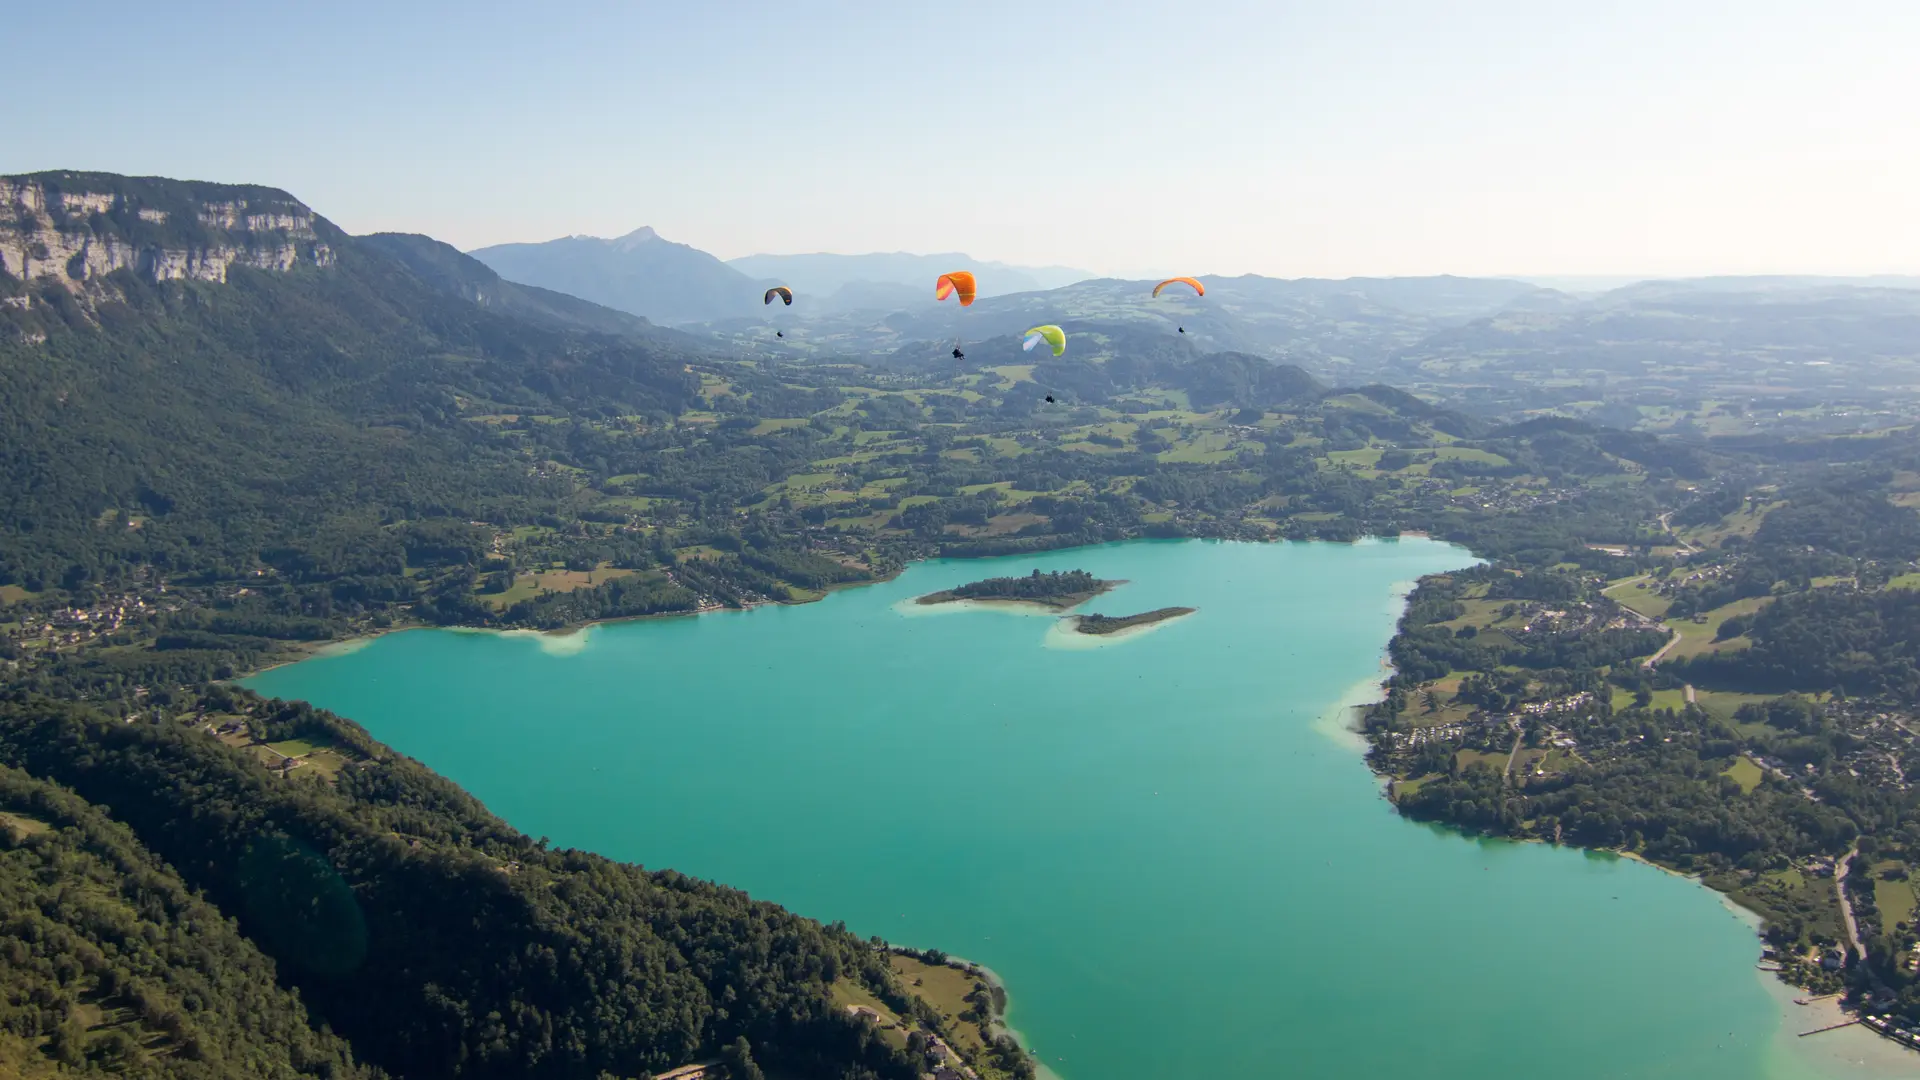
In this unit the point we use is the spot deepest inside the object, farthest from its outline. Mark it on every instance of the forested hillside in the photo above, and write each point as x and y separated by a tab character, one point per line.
123	967
433	937
275	411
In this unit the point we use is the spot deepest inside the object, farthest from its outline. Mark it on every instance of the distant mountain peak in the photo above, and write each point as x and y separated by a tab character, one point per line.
643	234
642	273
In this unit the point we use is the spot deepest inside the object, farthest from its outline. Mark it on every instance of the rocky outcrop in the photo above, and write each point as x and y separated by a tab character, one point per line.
77	228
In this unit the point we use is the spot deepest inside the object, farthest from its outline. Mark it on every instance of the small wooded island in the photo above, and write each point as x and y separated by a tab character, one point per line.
1111	624
1059	590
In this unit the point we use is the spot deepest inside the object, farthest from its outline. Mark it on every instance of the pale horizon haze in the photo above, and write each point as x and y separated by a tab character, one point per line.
1288	139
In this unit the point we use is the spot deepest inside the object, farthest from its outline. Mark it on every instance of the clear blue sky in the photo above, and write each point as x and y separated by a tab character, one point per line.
1330	138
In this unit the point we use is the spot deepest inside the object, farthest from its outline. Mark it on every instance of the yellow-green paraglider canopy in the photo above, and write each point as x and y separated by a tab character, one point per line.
1051	334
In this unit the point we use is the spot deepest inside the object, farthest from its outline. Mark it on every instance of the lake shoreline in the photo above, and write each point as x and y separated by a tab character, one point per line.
1341	722
295	652
1002	1002
1040	1015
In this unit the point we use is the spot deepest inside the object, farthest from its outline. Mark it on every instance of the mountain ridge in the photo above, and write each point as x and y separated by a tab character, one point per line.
444	267
641	273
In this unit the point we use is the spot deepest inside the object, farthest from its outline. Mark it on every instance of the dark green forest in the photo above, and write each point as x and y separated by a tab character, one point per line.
428	934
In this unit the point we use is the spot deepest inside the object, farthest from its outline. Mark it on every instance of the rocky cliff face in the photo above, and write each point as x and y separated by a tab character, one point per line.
76	228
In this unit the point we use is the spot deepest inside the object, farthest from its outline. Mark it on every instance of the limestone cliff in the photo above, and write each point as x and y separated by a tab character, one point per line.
77	228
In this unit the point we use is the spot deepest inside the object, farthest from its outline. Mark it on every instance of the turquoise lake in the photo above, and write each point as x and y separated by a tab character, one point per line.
1166	845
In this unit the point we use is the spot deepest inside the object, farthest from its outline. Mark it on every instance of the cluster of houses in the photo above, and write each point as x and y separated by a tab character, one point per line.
1553	706
1673	584
1421	736
1884	749
1886	744
76	626
1905	1036
1511	500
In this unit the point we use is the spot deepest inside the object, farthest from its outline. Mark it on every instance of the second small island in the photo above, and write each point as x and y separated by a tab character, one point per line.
1059	590
1113	624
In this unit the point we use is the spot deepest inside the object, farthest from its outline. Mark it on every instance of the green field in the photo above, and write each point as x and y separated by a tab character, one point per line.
1481	613
1724	703
1495	761
639	504
1745	773
846	992
21	825
1741	522
1662	699
1895	899
1204	448
1696	638
1421	463
944	988
812	479
529	585
1468	453
1636	595
1365	459
293	747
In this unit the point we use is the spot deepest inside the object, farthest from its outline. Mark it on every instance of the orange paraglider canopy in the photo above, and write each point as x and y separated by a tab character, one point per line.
961	282
1198	288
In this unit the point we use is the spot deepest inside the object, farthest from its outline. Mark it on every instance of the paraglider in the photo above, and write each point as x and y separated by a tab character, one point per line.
1051	334
958	283
786	298
1198	289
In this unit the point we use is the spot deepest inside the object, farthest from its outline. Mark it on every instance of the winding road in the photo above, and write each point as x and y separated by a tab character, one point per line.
1655	658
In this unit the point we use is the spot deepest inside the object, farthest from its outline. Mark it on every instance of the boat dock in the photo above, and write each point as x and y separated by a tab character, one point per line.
1831	1027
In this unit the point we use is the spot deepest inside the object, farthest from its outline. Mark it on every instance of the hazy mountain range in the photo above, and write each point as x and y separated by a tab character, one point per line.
881	307
644	274
443	267
1499	344
824	275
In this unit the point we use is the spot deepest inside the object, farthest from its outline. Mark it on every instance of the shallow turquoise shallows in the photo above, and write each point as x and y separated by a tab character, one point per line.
1164	844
